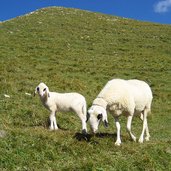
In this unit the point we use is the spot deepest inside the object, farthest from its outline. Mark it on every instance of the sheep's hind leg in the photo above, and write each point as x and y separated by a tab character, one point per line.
147	130
147	138
53	124
129	122
145	127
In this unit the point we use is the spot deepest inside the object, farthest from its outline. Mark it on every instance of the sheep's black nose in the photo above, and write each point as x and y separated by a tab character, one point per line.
38	89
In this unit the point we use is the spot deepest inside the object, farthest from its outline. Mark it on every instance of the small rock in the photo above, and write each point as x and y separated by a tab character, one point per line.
2	133
28	94
5	95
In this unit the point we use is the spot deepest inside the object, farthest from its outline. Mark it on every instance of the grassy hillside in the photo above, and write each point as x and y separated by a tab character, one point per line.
73	50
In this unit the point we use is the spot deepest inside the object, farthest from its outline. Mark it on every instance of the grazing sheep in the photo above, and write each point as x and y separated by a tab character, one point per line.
62	102
130	97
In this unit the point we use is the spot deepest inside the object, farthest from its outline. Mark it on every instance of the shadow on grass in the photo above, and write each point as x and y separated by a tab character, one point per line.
82	137
88	137
106	135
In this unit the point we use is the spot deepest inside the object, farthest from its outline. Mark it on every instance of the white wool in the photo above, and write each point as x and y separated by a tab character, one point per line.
128	95
62	102
123	96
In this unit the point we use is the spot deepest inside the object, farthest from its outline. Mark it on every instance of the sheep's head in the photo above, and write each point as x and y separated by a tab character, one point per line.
42	90
96	114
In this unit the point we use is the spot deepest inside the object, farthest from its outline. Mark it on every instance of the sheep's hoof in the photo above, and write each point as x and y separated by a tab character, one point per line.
117	143
53	129
140	140
147	138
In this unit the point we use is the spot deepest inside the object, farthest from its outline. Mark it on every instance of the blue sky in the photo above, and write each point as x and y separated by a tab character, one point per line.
146	10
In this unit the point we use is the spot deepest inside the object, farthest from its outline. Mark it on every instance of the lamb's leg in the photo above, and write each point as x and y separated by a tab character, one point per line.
53	124
83	121
129	121
83	118
145	127
118	127
84	127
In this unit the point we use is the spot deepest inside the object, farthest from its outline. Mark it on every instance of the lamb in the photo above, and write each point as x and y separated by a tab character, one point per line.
128	97
62	102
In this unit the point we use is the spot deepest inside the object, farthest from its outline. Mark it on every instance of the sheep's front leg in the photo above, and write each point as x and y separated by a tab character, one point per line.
53	124
118	128
129	121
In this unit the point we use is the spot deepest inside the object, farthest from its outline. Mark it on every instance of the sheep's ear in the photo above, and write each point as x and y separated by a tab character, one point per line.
106	124
88	116
99	116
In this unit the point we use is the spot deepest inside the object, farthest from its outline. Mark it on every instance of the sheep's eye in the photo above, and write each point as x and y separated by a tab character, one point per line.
37	88
44	89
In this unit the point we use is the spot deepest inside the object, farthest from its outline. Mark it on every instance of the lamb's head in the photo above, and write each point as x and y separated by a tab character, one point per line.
97	113
42	90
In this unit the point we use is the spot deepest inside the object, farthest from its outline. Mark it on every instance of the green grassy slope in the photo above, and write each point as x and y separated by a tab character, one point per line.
73	50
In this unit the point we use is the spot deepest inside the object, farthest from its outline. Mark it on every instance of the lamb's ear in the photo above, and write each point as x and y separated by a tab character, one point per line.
36	90
99	116
88	116
106	124
34	94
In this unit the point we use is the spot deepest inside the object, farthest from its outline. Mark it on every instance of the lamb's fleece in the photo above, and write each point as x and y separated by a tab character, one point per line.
64	101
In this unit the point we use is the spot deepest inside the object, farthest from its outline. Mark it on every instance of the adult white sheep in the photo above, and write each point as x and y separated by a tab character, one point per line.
130	97
62	102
